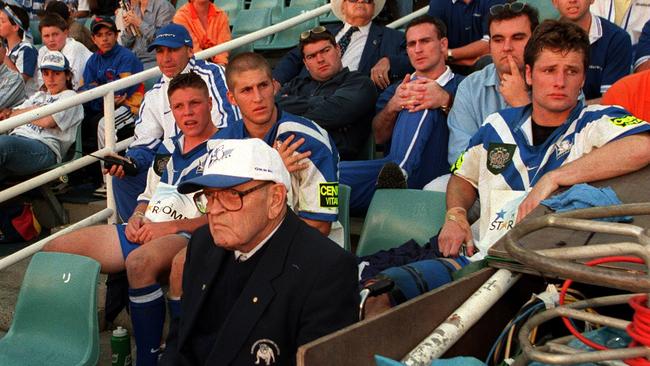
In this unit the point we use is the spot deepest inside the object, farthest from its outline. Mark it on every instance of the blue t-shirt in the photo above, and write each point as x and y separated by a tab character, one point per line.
643	47
465	23
610	57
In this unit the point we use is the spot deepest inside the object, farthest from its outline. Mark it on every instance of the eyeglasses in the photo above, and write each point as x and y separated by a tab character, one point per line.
361	1
515	7
230	199
316	30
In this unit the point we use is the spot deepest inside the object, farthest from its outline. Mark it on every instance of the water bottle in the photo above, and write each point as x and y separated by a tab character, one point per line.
120	348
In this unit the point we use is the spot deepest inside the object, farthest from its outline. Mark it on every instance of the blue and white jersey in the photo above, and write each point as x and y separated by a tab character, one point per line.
314	190
501	155
25	57
156	121
169	168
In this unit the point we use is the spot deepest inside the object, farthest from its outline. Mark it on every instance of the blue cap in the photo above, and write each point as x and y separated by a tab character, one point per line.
172	36
55	60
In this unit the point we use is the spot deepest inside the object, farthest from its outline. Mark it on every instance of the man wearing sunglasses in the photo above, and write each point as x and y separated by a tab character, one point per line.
367	47
467	29
258	281
163	219
337	99
610	52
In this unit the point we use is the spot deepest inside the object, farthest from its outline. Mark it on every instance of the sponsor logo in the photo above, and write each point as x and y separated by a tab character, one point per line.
217	154
329	194
625	121
458	163
500	222
160	163
264	351
499	157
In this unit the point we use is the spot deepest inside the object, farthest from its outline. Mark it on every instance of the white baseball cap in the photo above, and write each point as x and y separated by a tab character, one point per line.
54	60
233	162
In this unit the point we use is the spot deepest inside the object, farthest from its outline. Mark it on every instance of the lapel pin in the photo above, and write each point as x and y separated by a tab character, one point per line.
203	287
255	300
374	42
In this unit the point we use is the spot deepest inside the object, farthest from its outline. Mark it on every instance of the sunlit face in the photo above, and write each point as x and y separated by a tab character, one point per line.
172	61
105	39
425	49
556	79
54	38
6	28
55	81
191	109
508	38
240	230
254	93
357	13
322	59
573	10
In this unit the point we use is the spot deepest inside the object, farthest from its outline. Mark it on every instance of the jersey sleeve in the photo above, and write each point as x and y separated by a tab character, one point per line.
609	124
468	164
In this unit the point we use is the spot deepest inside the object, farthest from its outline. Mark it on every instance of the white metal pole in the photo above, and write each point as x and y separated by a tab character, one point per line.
109	139
461	320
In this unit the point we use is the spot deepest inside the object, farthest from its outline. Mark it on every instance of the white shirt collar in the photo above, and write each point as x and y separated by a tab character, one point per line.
243	257
443	79
595	30
363	29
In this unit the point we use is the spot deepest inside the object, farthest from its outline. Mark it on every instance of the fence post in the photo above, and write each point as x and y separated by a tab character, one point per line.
109	138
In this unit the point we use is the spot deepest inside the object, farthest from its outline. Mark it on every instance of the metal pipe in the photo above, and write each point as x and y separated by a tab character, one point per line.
30	250
461	320
53	174
536	353
566	269
407	18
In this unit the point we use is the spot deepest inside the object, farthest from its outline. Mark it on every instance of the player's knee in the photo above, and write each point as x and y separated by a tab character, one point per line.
139	264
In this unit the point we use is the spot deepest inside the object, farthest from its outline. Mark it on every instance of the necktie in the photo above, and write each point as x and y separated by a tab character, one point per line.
344	42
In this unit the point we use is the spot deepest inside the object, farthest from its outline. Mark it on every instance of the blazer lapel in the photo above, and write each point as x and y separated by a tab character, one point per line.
256	296
371	49
208	267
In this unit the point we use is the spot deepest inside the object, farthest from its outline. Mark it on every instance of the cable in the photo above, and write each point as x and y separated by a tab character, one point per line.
525	314
639	328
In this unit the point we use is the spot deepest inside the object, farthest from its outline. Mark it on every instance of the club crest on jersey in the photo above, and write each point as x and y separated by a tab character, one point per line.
499	156
562	148
160	163
264	352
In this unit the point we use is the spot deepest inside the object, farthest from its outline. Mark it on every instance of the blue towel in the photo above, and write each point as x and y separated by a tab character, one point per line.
585	196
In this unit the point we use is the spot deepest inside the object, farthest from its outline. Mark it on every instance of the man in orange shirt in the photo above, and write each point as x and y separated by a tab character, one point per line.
632	93
207	24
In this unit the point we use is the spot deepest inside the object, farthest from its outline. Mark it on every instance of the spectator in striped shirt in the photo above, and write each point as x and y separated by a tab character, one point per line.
21	55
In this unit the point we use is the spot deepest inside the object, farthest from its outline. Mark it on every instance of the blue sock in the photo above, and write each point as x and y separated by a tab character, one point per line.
174	306
148	318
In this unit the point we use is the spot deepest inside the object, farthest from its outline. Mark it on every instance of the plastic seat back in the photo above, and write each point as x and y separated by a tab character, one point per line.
288	38
398	215
251	20
55	321
344	213
36	33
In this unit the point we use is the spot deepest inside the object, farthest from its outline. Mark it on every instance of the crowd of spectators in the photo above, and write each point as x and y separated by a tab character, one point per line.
506	101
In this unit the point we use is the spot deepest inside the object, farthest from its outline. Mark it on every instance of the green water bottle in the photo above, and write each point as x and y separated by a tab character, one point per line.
120	348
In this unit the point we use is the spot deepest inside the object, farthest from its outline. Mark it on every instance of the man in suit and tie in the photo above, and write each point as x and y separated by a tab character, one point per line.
367	47
258	281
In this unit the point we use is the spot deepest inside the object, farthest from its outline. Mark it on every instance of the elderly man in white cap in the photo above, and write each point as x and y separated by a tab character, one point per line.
258	281
367	47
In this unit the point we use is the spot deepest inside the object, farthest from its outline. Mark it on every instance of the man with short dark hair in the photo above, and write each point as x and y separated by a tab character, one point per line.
339	100
610	51
372	49
411	118
522	155
163	220
498	85
258	281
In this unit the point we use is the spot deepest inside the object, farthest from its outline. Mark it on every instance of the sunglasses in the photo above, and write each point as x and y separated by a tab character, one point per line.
515	7
361	1
316	30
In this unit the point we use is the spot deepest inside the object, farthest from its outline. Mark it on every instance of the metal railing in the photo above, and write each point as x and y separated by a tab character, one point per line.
106	92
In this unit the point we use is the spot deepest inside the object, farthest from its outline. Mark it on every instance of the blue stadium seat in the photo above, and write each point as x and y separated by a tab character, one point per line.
55	321
251	20
36	34
398	215
288	38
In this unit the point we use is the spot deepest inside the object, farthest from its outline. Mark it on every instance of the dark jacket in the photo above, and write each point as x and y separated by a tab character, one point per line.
382	42
343	105
303	287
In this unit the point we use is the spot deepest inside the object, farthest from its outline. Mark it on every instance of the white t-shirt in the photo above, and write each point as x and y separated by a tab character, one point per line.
77	55
59	138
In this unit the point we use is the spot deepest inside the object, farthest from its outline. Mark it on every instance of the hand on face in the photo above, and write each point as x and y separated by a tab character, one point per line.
513	86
